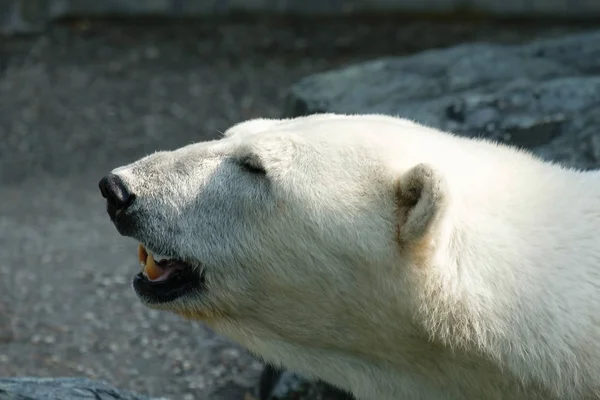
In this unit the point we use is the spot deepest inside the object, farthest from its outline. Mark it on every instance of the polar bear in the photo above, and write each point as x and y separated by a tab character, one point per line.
385	257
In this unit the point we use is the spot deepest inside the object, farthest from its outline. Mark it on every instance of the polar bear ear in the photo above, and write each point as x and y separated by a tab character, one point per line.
422	197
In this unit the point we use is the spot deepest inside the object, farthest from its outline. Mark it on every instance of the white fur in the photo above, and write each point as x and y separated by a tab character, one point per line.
387	258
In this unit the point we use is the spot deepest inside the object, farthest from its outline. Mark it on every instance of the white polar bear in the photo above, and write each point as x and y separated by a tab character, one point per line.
384	257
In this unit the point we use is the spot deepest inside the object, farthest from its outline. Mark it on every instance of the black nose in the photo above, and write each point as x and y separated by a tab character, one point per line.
116	194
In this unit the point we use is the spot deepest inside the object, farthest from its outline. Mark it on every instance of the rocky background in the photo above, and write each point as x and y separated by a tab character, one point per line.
543	96
21	16
84	96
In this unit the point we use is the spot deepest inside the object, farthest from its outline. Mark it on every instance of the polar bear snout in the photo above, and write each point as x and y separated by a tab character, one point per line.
118	196
167	275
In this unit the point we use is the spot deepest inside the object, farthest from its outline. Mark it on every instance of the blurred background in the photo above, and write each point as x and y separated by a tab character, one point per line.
86	86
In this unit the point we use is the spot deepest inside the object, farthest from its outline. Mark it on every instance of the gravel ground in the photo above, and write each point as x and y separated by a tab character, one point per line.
88	96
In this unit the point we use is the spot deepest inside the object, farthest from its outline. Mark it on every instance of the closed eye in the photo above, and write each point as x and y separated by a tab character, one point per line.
252	165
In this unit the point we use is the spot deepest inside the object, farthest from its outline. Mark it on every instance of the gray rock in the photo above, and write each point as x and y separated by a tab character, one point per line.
32	388
544	95
284	385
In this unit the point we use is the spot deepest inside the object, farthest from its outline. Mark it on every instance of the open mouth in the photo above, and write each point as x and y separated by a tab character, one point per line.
165	280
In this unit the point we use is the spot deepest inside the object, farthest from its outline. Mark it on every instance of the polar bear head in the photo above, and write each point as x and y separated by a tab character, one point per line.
285	228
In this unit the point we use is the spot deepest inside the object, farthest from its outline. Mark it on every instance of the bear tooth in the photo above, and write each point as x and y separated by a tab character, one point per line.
142	254
152	270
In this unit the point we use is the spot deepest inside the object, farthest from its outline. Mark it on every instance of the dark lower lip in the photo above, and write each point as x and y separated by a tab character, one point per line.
178	284
125	225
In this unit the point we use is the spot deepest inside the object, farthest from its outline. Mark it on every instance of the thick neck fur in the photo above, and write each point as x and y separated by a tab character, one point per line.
528	303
